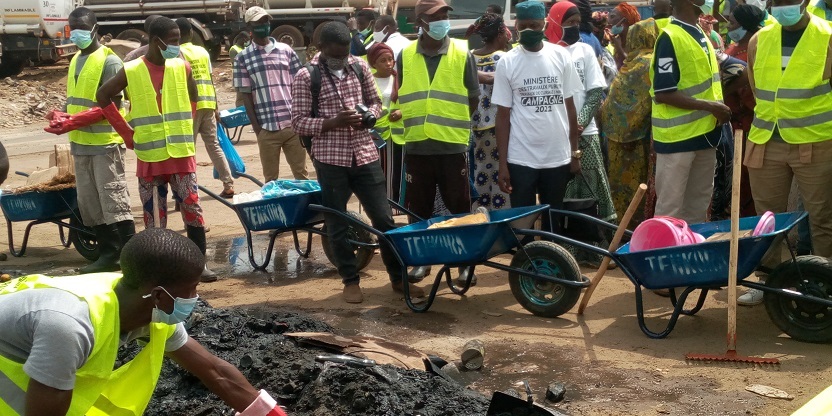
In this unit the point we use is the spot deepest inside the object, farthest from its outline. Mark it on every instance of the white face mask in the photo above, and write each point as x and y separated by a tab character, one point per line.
379	36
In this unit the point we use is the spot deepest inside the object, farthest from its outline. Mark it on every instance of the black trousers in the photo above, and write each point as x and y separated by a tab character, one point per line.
550	184
424	173
338	183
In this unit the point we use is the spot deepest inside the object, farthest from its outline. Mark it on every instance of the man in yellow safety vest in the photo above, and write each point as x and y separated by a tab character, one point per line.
162	93
790	66
688	114
59	336
438	93
97	149
207	115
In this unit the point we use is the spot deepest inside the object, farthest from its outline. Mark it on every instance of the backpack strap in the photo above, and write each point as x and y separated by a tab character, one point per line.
315	81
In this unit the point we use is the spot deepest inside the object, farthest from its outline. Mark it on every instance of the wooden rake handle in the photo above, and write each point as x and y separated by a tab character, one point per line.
616	241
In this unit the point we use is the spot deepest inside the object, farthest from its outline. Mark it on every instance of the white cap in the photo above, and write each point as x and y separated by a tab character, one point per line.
255	13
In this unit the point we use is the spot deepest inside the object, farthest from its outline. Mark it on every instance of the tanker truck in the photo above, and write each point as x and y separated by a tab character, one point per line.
37	31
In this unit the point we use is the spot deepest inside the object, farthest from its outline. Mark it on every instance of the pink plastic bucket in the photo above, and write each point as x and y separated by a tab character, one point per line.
661	232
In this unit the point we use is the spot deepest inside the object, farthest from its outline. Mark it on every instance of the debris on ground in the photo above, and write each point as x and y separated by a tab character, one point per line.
555	392
254	341
769	391
26	101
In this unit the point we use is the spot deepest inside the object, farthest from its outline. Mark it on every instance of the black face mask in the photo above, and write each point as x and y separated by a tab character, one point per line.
571	34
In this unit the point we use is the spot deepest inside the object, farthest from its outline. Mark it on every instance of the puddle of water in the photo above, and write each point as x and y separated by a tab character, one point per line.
231	259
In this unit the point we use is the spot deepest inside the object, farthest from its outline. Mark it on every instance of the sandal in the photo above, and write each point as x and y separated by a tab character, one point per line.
227	193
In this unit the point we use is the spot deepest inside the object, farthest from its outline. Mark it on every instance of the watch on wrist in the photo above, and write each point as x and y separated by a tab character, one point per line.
576	154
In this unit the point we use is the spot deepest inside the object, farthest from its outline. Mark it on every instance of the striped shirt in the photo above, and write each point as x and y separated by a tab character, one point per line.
268	76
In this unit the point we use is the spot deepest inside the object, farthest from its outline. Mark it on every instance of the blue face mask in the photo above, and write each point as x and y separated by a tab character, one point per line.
787	15
737	34
706	8
617	29
182	309
439	29
81	38
171	52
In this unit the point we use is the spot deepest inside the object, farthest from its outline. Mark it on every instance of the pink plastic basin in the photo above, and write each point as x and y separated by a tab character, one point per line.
661	232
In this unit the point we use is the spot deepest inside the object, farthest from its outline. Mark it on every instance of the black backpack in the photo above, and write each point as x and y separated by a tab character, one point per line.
315	81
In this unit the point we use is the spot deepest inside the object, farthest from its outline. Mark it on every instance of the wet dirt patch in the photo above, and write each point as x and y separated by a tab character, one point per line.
253	341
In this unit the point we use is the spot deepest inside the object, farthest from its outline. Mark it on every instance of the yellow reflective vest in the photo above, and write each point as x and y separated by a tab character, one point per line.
817	8
99	390
699	79
382	126
662	23
770	20
200	62
169	134
80	96
435	109
798	101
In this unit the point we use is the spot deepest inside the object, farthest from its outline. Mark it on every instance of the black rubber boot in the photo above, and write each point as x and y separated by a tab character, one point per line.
108	251
126	230
197	235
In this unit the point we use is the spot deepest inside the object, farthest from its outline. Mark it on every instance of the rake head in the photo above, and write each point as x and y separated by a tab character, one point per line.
731	356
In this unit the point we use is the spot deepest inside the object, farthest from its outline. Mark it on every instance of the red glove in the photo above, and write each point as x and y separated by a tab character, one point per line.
119	123
61	122
263	405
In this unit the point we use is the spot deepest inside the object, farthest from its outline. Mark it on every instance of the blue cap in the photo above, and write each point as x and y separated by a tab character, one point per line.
530	9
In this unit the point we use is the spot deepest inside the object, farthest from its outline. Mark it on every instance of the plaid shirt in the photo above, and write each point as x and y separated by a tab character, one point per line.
345	145
268	76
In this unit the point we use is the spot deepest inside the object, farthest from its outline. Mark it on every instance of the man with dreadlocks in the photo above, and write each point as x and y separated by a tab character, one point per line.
59	336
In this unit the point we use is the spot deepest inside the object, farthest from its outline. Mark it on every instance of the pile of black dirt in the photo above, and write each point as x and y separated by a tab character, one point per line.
253	341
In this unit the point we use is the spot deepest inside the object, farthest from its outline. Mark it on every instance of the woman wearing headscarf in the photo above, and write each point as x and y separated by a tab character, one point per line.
564	20
585	9
625	117
620	19
486	159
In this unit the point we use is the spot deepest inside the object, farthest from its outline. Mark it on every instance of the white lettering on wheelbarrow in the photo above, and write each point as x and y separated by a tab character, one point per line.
418	245
686	263
264	214
22	204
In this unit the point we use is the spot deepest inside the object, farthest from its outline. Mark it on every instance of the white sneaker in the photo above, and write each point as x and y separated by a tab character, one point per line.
751	298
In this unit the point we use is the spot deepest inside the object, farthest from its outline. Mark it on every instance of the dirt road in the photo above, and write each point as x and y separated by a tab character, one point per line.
609	367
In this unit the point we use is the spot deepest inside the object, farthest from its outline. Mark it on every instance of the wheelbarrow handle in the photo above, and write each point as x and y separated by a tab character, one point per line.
251	178
215	196
593	220
401	208
351	220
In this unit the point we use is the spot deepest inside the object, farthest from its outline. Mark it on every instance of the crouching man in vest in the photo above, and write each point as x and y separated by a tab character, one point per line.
687	114
97	149
205	122
161	91
59	336
791	136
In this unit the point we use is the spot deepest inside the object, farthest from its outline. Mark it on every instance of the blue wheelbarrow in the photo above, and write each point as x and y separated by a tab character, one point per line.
291	214
544	278
236	119
798	292
56	207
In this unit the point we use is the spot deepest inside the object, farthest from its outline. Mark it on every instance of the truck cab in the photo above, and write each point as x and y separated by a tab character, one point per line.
33	30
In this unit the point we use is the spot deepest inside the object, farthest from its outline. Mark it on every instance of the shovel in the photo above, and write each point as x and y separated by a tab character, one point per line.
503	404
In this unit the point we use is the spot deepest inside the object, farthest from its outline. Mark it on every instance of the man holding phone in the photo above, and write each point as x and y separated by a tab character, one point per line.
343	152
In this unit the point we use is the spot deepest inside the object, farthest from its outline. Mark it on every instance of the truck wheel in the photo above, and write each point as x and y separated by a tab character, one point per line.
135	35
541	297
800	319
10	67
316	35
289	35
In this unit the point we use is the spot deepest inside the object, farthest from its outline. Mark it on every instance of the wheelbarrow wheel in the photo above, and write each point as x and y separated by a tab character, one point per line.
540	297
363	255
802	320
84	243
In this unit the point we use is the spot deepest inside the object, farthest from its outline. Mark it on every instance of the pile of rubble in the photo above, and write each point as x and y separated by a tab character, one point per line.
253	341
26	102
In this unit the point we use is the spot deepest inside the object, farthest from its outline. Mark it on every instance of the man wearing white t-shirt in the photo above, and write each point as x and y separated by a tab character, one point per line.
537	126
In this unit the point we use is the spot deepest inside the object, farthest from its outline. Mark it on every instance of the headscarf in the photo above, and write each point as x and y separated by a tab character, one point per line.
377	50
749	17
559	12
625	113
586	15
629	12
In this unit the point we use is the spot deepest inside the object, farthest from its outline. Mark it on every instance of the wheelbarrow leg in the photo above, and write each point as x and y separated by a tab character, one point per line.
66	242
461	290
431	296
673	317
303	253
25	238
260	267
699	303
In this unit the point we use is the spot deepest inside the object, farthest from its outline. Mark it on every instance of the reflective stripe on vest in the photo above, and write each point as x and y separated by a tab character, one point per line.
699	79
80	96
421	100
132	383
158	136
797	101
200	62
